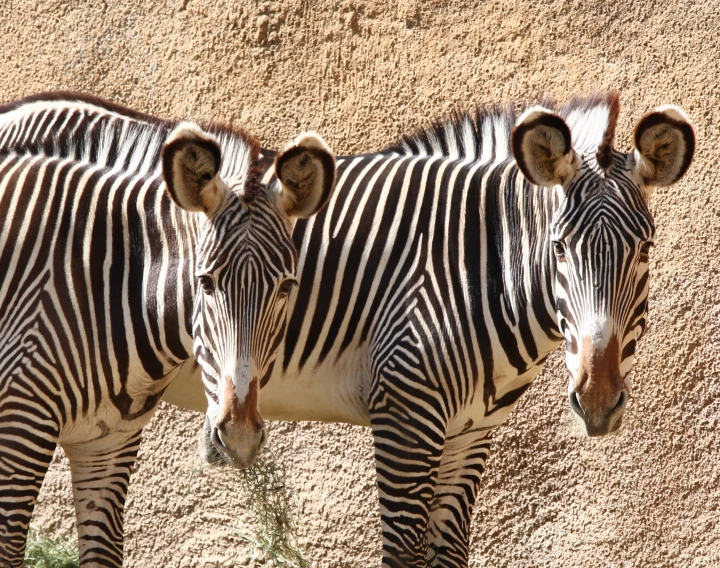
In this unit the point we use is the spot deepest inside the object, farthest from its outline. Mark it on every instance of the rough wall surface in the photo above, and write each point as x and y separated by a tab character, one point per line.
362	72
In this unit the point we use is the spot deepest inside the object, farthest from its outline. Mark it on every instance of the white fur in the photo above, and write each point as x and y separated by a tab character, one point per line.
189	130
309	139
588	126
533	113
599	328
674	112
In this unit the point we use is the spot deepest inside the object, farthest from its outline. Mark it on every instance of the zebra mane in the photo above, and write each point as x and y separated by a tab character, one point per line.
240	156
93	130
592	121
482	135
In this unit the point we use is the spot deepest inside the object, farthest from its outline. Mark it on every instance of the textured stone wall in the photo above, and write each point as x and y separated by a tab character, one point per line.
362	72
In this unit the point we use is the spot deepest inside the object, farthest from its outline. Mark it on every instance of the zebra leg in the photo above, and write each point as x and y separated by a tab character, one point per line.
28	437
406	462
462	464
100	478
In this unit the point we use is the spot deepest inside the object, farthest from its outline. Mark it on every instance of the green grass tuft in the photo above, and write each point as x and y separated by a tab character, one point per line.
45	552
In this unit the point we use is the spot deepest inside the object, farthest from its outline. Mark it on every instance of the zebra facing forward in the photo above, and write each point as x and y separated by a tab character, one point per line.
444	272
128	244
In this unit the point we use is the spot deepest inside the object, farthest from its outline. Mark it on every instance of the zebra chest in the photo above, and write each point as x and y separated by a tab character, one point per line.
333	390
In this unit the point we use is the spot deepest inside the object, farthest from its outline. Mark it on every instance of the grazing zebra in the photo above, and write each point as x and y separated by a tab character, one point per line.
109	218
441	276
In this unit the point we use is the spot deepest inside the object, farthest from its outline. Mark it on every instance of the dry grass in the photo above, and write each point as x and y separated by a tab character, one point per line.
272	503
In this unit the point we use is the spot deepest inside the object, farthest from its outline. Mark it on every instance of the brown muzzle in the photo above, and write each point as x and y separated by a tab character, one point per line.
598	394
239	431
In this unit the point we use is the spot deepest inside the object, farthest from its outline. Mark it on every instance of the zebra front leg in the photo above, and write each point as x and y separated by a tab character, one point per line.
100	478
407	457
28	437
461	466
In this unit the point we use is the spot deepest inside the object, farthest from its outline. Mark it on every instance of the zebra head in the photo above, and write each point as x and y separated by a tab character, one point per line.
245	267
601	236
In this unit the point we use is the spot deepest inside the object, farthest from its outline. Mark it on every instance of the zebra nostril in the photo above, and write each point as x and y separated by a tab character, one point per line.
217	441
575	404
622	401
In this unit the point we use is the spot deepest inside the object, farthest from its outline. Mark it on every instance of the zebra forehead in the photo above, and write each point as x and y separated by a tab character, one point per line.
604	215
613	189
252	217
605	236
245	247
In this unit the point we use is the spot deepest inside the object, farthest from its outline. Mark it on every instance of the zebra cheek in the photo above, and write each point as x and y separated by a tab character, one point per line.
571	347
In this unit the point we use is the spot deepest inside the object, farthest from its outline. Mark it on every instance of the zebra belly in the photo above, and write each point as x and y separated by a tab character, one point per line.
327	392
338	393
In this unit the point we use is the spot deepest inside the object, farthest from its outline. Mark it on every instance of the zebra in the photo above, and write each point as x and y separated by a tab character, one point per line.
443	273
129	245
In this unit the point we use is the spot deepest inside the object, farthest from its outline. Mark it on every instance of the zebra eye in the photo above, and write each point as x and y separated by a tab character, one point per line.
207	284
644	254
559	250
286	287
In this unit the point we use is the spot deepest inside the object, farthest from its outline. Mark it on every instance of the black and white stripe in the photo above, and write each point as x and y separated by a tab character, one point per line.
438	280
98	303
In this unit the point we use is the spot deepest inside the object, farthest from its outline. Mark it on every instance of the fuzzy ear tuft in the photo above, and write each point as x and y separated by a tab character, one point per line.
665	144
542	145
190	163
306	170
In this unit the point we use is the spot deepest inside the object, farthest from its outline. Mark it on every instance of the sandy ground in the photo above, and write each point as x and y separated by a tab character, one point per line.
361	73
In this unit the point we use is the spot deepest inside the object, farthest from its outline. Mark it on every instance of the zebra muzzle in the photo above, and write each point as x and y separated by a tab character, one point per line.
239	431
597	393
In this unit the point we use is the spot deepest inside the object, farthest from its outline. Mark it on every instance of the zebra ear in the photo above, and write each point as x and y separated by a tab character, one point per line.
542	146
665	144
306	170
190	163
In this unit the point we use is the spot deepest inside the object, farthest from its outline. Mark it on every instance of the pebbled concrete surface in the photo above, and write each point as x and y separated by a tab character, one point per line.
361	72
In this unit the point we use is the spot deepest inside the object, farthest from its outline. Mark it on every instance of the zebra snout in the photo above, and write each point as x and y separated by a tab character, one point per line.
621	402
599	417
239	446
208	448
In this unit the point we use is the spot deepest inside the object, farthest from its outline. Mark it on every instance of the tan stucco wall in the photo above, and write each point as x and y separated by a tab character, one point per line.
361	73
